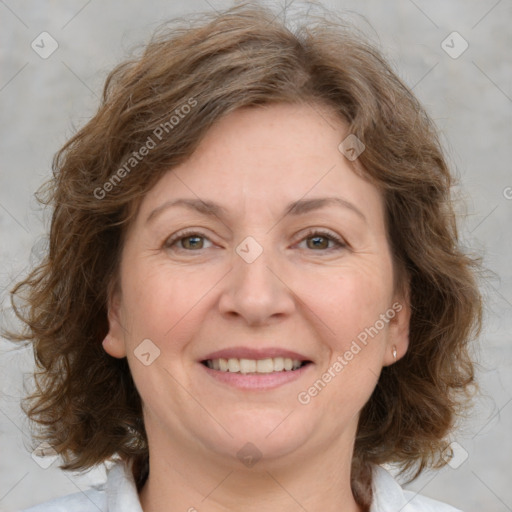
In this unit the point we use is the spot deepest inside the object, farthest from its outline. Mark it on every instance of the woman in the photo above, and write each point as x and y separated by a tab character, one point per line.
254	295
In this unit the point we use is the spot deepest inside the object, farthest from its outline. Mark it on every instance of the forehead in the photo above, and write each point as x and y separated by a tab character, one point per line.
261	159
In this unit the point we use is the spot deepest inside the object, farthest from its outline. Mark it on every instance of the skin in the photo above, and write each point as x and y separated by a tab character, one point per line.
199	295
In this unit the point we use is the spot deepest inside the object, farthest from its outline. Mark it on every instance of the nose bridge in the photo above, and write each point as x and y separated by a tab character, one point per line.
254	291
252	261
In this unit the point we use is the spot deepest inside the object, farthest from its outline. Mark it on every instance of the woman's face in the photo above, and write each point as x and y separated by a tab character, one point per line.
236	271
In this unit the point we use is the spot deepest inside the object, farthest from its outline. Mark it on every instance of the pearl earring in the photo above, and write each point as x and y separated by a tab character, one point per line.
394	352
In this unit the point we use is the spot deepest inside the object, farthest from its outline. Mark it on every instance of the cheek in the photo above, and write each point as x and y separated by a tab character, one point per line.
352	298
363	299
158	299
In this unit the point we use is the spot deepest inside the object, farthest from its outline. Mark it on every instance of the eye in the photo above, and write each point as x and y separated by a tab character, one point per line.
192	240
320	240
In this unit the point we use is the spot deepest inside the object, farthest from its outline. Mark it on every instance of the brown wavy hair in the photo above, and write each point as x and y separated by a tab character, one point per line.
85	403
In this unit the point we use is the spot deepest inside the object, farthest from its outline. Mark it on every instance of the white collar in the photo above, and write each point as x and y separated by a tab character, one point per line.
121	490
388	496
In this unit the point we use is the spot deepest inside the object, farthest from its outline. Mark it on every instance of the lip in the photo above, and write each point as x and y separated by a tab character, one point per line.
254	381
253	353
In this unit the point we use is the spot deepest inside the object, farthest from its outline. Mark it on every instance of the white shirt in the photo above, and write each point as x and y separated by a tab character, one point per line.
119	494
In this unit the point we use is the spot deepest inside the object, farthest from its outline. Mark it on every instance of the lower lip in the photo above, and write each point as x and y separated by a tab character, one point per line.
257	381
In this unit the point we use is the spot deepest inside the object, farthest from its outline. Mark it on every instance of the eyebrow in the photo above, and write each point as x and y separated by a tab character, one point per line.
299	207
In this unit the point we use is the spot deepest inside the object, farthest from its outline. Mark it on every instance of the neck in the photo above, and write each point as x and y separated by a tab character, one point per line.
186	478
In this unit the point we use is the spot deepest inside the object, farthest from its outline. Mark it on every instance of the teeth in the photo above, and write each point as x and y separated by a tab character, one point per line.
233	365
265	365
269	365
247	365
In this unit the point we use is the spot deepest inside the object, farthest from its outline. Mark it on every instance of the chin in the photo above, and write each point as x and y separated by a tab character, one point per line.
264	435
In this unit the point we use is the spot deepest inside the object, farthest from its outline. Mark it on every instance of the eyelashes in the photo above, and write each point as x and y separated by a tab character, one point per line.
311	234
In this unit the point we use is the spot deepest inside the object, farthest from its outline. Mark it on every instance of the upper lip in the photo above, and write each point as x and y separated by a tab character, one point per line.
253	353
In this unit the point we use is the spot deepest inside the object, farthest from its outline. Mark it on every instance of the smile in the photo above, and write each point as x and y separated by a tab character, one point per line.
255	374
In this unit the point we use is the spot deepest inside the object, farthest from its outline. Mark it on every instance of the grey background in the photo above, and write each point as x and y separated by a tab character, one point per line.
470	98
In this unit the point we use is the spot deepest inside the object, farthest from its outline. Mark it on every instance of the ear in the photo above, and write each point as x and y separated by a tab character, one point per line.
398	334
114	342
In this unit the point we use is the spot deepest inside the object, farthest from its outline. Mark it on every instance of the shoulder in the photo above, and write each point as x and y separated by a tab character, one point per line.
388	496
92	500
118	494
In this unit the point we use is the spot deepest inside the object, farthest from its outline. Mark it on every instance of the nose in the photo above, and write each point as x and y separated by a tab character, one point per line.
257	289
